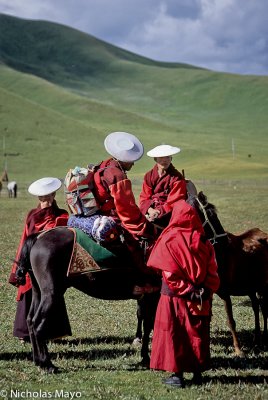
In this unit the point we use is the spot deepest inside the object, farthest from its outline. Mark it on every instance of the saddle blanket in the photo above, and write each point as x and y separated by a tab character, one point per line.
89	256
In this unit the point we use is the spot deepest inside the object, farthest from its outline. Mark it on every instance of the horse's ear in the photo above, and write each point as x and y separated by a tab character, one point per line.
202	197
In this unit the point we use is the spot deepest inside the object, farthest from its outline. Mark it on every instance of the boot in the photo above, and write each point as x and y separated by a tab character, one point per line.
175	380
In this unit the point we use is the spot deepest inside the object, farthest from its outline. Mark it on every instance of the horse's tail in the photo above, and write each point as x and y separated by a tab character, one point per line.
24	263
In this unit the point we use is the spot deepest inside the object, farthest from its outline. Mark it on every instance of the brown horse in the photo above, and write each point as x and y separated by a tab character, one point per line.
242	267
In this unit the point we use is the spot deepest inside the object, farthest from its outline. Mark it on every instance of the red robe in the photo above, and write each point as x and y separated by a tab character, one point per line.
160	192
114	194
36	221
181	332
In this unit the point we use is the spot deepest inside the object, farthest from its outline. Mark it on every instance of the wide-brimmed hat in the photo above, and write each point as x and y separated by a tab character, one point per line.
44	186
164	150
124	146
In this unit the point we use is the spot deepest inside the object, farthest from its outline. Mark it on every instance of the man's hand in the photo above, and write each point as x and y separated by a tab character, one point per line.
152	214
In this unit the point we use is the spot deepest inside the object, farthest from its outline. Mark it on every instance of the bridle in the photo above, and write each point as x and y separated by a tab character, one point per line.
216	235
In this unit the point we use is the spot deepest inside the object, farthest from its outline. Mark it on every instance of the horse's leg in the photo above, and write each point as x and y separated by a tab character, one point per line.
39	347
50	320
264	309
147	329
33	308
256	306
138	337
150	302
231	324
265	332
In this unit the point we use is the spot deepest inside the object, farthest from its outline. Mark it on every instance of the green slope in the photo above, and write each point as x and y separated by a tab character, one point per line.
49	129
59	53
90	88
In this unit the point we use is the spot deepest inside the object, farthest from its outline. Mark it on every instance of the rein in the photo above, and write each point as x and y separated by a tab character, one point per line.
213	239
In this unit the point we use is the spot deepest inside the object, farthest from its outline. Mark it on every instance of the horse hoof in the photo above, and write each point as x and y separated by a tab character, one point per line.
239	353
142	365
137	342
51	369
145	362
256	349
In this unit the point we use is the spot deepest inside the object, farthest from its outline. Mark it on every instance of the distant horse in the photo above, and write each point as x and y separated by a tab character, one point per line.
12	189
47	258
242	267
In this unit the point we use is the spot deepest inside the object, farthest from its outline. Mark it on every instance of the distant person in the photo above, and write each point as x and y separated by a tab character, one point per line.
181	339
162	185
45	216
12	189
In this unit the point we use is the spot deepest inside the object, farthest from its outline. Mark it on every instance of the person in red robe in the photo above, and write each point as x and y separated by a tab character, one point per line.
114	195
162	186
181	339
45	216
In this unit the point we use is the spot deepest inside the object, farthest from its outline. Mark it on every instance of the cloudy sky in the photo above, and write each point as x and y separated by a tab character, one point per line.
221	35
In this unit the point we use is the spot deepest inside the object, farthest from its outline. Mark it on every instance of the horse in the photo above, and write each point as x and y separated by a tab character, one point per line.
242	267
12	188
47	258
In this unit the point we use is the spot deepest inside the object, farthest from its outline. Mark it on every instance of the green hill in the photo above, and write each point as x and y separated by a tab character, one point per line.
59	86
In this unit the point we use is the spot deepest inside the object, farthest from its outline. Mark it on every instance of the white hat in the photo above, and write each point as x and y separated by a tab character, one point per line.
164	150
123	146
44	186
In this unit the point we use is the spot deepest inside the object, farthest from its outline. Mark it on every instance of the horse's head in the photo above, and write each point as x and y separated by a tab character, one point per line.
208	214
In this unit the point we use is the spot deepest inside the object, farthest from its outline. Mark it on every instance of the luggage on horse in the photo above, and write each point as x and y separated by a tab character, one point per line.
79	191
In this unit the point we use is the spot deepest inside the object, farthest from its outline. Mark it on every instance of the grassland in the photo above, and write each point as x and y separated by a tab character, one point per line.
61	92
99	360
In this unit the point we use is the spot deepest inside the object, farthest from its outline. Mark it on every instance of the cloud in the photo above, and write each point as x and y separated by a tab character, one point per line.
225	35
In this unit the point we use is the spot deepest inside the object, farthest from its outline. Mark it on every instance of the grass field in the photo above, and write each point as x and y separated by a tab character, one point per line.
99	361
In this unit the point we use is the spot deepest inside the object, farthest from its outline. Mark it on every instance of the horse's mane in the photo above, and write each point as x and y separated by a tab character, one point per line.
203	199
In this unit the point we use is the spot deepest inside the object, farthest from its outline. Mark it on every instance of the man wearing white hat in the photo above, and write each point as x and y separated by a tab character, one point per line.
113	189
45	216
162	186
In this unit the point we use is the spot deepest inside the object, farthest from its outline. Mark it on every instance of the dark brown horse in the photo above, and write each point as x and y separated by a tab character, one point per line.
243	270
47	259
242	267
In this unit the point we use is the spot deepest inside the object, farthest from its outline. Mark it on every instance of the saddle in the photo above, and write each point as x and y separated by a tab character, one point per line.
90	256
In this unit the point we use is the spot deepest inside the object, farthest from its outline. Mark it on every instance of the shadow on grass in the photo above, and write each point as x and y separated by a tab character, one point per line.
95	340
235	380
92	354
239	363
245	337
65	349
